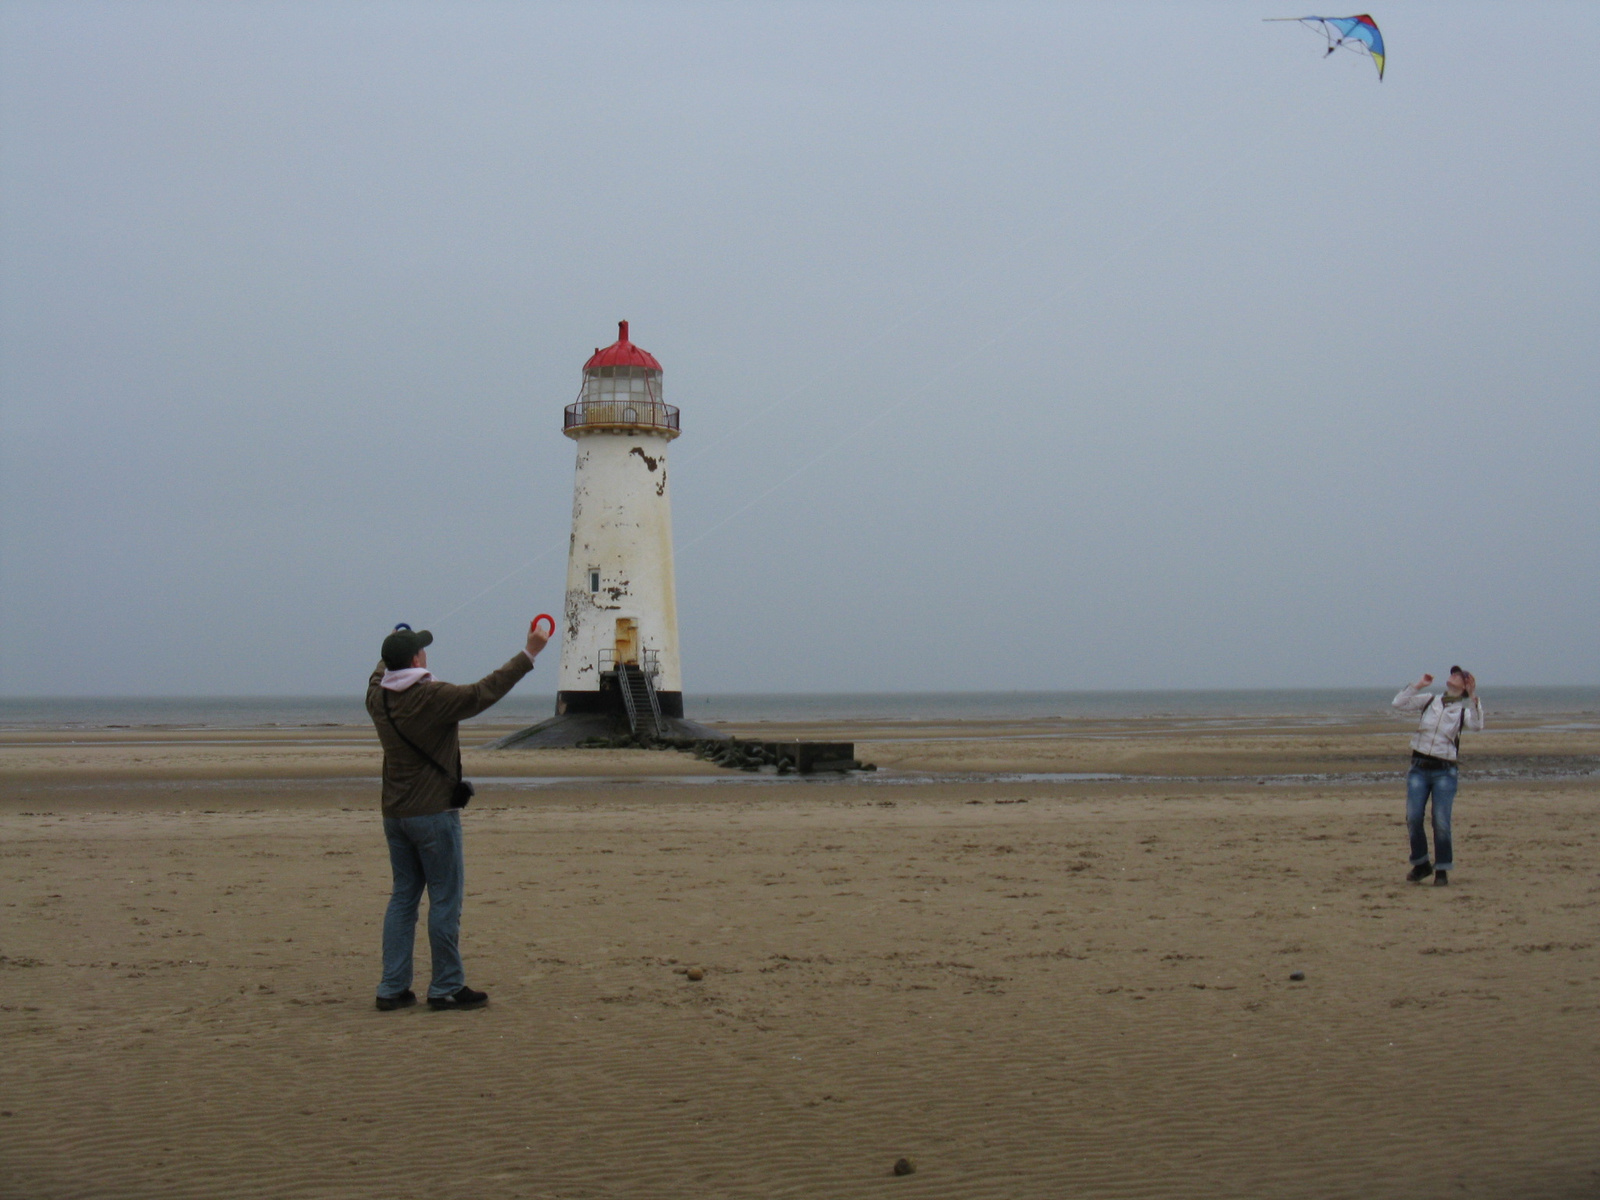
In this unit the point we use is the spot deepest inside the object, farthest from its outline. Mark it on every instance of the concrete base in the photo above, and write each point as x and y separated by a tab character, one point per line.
568	729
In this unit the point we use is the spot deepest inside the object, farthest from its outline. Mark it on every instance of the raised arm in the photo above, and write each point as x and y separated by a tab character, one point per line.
1412	698
468	700
1473	717
462	700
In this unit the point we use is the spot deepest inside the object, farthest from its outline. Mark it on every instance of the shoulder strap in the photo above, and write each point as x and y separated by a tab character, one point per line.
416	749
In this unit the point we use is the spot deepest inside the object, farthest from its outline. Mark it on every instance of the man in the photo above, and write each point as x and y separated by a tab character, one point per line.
1435	754
417	719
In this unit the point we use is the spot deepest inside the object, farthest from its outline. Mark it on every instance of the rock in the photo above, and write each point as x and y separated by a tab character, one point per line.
1296	976
904	1166
695	974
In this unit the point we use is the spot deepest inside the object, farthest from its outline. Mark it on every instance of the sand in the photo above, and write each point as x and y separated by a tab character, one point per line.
1028	987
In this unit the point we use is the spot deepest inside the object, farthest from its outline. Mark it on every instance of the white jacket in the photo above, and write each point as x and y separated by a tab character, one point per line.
1439	732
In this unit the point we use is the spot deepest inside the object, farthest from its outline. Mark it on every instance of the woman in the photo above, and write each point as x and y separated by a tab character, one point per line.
1435	750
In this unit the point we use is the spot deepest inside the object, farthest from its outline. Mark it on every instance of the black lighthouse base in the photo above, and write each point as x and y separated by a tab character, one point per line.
601	714
568	729
609	700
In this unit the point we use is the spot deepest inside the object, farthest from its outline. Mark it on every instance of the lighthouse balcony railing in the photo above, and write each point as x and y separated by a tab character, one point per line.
621	414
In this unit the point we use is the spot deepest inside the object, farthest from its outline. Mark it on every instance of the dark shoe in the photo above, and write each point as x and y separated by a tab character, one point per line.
1442	879
404	1000
465	998
1419	872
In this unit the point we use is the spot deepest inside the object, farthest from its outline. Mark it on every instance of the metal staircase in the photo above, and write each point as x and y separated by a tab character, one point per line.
640	700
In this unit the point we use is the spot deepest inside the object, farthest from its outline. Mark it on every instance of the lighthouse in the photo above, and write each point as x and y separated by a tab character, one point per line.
620	676
619	646
620	679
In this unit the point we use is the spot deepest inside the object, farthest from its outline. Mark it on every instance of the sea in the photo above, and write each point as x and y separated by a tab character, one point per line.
1565	707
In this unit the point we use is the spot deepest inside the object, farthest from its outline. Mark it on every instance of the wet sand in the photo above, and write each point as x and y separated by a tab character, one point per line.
1032	987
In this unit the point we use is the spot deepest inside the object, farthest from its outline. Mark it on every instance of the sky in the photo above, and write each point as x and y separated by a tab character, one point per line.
1018	346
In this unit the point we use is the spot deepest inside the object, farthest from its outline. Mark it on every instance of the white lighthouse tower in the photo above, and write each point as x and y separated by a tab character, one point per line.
619	649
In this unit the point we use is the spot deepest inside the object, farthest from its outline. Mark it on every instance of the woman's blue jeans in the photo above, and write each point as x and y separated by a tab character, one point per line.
424	852
1441	783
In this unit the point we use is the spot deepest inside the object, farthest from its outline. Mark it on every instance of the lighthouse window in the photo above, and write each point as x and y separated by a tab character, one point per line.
594	580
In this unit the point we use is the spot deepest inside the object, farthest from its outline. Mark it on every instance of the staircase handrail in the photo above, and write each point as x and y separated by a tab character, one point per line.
627	698
655	704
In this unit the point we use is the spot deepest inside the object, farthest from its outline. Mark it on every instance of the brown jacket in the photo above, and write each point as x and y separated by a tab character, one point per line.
428	713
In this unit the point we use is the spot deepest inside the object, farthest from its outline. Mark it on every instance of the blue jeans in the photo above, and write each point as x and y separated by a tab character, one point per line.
424	851
1440	781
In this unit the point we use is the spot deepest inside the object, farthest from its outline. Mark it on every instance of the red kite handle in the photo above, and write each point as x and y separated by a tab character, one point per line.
534	625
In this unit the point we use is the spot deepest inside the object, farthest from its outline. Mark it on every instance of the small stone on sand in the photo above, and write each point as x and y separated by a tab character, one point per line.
904	1166
1297	976
695	974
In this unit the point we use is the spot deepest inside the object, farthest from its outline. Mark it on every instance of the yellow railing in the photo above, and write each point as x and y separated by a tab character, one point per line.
621	414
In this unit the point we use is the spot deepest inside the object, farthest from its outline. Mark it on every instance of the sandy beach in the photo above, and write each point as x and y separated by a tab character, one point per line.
1070	982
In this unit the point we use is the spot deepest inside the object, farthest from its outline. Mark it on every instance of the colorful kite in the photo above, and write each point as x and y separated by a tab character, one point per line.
1359	34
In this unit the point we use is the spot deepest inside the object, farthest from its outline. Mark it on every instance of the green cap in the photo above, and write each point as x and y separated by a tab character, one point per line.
401	646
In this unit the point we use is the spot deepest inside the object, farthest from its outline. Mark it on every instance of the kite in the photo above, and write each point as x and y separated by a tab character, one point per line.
1359	34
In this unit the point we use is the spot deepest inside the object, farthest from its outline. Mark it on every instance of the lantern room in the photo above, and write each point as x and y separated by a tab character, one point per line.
621	391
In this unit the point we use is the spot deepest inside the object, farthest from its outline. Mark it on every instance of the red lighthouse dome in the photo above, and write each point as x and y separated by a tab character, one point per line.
622	353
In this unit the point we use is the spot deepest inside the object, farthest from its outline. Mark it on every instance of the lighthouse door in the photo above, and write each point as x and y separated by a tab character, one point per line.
628	641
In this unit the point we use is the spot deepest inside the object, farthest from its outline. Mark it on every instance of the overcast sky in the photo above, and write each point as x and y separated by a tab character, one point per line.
1034	347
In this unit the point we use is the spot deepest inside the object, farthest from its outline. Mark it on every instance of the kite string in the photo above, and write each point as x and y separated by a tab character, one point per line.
951	367
1039	231
936	296
497	583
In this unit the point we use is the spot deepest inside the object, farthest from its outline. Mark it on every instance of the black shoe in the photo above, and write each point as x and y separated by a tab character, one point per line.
1442	879
464	998
1419	872
404	1000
